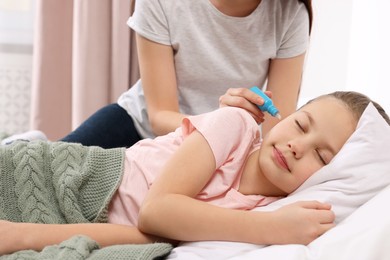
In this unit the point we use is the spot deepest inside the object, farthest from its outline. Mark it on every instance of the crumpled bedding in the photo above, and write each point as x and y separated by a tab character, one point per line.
82	247
58	183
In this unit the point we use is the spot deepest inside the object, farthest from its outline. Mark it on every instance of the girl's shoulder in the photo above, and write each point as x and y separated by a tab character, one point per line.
229	131
223	120
236	112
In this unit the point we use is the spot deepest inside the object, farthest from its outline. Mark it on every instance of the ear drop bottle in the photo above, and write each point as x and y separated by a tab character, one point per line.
268	105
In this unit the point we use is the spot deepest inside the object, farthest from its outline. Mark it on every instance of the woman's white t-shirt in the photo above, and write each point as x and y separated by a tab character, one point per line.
214	52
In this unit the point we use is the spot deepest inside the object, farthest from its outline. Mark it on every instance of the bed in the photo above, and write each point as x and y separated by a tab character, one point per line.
364	235
356	183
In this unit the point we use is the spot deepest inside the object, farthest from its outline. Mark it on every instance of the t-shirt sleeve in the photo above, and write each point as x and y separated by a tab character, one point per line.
295	40
228	131
149	20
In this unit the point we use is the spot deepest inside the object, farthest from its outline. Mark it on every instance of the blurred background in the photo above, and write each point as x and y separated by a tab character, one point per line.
348	51
16	49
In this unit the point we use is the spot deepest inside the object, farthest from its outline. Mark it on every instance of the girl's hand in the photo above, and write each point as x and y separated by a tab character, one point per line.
245	99
301	222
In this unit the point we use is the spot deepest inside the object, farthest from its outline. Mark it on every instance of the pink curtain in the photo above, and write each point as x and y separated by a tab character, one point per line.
84	58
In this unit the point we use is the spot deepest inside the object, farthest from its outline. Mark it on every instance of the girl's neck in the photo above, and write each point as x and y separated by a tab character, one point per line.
236	8
253	181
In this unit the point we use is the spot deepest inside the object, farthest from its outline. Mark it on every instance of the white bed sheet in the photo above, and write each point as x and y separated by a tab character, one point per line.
365	234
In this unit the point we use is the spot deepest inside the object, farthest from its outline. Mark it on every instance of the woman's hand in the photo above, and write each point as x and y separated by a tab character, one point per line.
245	99
301	222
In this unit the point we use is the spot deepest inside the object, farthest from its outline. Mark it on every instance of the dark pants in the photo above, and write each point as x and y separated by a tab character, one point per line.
109	127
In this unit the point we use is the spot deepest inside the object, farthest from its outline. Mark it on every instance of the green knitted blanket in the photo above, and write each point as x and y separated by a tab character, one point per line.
57	182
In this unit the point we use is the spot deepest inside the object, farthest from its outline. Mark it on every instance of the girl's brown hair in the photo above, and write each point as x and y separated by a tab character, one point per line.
357	103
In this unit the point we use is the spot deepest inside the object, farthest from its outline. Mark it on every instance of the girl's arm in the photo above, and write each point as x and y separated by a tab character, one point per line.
158	75
284	81
171	211
20	236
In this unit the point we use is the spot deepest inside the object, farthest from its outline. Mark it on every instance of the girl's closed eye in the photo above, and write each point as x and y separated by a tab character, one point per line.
321	157
300	126
319	154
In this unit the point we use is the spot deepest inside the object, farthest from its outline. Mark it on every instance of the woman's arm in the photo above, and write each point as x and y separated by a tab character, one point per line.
21	236
284	81
158	76
171	211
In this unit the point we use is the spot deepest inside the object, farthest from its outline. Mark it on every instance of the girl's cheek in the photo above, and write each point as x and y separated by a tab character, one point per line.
308	171
312	171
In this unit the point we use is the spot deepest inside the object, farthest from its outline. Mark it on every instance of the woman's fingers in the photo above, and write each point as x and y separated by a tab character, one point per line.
245	99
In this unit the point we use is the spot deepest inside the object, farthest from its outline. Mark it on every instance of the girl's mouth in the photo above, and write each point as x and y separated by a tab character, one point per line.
280	159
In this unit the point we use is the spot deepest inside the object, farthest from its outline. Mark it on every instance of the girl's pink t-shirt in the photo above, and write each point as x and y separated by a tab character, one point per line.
232	135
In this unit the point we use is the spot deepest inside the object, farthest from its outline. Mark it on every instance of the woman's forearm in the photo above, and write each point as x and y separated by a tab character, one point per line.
164	122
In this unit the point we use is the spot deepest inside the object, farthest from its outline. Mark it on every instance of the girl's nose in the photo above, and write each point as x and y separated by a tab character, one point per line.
296	149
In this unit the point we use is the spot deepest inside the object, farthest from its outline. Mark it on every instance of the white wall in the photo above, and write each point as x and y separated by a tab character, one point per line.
349	49
369	53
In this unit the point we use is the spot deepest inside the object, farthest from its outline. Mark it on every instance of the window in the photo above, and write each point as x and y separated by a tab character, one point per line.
16	41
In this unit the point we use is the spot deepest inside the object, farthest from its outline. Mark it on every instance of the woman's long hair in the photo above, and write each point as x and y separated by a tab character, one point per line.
309	8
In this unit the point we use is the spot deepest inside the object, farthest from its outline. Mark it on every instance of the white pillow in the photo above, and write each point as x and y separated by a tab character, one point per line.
359	171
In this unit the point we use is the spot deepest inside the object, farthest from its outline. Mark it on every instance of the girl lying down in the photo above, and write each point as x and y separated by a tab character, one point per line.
197	183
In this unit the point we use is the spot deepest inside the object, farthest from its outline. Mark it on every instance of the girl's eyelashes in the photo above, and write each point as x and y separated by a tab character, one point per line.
301	128
320	157
299	125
